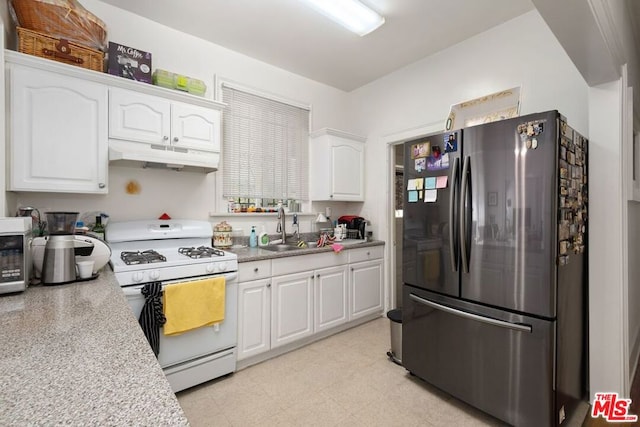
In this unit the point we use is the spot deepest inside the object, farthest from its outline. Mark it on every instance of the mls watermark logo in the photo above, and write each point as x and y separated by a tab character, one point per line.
612	408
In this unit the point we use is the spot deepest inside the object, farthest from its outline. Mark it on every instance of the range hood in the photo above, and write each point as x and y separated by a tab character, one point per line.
160	156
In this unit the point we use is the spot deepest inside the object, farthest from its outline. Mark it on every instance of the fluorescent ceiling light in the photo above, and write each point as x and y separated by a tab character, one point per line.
351	14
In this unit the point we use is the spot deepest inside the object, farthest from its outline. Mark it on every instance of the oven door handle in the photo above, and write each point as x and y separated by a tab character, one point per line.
135	290
229	277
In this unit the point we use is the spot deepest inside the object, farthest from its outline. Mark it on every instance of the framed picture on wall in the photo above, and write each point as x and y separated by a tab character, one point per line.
492	198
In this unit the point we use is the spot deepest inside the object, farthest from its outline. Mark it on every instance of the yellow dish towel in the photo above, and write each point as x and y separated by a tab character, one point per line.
191	305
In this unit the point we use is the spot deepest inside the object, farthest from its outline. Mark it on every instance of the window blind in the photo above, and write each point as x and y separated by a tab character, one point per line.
265	147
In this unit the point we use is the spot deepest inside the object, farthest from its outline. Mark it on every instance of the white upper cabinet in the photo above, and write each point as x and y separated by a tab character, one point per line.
194	127
139	117
157	121
336	166
66	124
57	132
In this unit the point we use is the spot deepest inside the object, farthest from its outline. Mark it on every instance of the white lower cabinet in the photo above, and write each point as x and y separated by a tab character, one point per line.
366	288
280	303
331	297
291	308
254	318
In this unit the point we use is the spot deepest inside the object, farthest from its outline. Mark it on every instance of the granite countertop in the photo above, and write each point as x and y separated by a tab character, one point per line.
246	254
74	354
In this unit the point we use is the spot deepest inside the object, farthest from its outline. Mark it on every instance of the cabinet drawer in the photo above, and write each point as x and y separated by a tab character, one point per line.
297	264
254	270
365	254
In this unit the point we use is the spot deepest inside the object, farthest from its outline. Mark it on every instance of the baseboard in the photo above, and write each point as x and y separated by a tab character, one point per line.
634	357
245	363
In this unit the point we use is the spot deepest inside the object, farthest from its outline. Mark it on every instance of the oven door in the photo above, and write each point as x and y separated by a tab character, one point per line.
198	342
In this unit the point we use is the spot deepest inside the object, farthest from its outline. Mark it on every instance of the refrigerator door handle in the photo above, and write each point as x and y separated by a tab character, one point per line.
453	252
463	215
500	323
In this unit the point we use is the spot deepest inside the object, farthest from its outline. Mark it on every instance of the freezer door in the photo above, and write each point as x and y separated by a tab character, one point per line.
499	362
430	256
508	215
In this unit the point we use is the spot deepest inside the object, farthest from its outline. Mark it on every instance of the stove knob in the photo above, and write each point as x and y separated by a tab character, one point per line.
154	275
137	276
211	268
222	266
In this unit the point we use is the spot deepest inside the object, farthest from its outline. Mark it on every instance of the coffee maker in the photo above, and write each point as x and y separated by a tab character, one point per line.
59	264
355	226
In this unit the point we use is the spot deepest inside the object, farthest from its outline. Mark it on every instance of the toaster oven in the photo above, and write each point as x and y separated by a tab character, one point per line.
15	254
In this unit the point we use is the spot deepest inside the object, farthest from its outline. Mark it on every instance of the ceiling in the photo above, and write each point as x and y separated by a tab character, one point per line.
290	35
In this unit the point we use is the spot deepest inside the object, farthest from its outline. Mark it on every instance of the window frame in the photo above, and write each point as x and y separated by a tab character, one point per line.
221	201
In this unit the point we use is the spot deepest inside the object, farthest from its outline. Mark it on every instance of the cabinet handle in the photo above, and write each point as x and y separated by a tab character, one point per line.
331	196
165	138
368	253
268	285
255	270
351	268
317	276
175	139
311	277
101	185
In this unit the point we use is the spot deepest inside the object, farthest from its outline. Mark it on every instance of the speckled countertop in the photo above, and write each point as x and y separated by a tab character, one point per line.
74	354
247	254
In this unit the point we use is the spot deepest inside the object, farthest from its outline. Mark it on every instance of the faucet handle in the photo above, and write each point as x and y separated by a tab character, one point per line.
295	219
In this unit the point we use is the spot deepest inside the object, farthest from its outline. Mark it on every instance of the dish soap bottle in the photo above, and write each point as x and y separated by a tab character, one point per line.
253	239
263	238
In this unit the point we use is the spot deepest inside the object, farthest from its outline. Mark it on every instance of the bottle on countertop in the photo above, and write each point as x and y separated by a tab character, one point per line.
263	238
98	229
253	238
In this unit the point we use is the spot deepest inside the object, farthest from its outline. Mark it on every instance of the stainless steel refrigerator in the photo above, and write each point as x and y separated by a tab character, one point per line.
494	266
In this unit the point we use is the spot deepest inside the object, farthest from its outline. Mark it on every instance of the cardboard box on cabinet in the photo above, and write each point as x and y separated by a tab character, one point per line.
130	63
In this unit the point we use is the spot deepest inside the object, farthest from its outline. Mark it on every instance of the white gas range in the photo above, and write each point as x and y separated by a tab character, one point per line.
172	252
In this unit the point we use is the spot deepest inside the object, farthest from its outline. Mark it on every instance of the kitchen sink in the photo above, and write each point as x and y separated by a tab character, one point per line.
280	247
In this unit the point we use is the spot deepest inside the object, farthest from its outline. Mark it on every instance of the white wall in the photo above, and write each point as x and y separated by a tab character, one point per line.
187	194
607	305
520	52
633	299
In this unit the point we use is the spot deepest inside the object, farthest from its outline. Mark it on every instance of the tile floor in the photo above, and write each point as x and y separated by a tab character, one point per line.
343	380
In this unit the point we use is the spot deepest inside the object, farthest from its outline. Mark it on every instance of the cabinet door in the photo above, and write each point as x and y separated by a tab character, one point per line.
254	318
331	297
366	288
58	133
195	127
347	163
291	308
139	117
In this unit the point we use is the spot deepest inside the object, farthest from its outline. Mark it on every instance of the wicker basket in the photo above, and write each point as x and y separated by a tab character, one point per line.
65	19
44	46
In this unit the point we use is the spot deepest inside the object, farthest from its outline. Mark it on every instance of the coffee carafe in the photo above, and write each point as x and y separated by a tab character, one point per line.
59	264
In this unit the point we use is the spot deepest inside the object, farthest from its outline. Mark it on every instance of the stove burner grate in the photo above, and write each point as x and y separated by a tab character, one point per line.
200	252
141	257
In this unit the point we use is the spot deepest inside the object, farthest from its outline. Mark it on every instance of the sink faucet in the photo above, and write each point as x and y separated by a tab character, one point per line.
281	222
